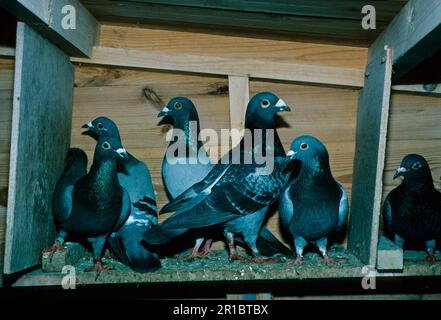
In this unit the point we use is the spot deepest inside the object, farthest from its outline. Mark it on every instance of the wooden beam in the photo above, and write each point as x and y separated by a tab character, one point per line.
40	137
7	52
306	73
271	24
239	94
413	36
386	11
426	89
46	17
367	182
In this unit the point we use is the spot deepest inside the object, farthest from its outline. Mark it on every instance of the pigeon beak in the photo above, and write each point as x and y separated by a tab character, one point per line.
122	153
400	172
291	153
87	125
164	112
282	106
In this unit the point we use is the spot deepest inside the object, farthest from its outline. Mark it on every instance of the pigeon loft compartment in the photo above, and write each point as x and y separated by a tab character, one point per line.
370	95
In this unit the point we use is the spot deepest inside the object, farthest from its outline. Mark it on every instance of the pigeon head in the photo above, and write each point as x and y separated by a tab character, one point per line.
102	127
181	110
413	167
311	152
110	148
262	109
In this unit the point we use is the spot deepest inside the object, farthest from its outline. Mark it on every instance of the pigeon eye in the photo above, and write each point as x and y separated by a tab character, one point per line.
416	166
106	146
304	146
265	103
100	126
178	105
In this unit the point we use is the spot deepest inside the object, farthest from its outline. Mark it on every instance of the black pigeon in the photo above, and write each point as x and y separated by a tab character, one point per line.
91	205
259	121
134	176
412	211
186	161
313	205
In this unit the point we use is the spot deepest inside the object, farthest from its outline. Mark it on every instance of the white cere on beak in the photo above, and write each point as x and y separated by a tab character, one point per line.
165	109
290	153
401	170
121	151
280	103
90	125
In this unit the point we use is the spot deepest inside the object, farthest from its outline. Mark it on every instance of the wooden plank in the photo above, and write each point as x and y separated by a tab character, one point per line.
348	77
6	87
46	17
413	35
239	93
7	52
40	138
290	26
193	41
426	89
373	110
389	256
338	9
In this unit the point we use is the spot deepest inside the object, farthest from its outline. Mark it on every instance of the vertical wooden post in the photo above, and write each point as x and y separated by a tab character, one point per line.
239	90
41	123
367	182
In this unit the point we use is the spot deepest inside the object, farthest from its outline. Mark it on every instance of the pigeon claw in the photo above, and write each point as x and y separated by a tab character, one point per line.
57	246
98	266
431	258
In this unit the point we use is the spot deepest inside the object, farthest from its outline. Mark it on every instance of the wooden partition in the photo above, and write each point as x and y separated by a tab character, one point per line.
6	91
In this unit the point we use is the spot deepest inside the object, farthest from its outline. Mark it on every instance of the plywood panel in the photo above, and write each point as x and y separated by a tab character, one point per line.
39	140
6	85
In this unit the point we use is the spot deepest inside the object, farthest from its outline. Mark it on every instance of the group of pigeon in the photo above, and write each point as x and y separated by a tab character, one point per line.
115	201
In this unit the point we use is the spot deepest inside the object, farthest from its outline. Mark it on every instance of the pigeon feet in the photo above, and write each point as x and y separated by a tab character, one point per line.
98	266
431	258
57	246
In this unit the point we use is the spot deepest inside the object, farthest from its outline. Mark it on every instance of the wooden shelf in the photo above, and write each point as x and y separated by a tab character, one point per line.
217	268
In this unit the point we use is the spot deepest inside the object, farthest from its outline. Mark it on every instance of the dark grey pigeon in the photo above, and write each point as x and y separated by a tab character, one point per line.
412	211
313	205
229	191
134	176
260	116
92	205
186	161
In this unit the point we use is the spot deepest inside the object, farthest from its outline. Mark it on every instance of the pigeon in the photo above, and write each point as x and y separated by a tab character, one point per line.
134	176
313	205
412	211
181	171
260	116
230	190
92	205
